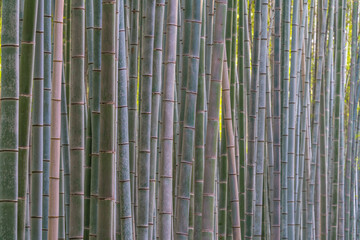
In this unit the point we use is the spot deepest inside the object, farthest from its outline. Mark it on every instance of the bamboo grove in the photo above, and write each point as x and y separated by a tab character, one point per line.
179	119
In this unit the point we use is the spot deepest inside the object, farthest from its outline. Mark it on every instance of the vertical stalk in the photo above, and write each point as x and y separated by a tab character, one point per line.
9	117
55	122
145	119
253	122
26	79
37	128
155	107
89	18
124	228
107	101
76	120
213	121
188	130
337	125
259	178
167	133
95	120
200	135
230	146
47	114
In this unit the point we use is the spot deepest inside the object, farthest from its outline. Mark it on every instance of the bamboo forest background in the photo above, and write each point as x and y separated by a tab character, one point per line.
179	119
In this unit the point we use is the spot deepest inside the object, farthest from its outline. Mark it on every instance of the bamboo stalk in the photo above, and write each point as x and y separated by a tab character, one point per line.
76	120
107	101
167	133
9	117
213	122
37	129
188	131
155	105
25	91
47	114
53	216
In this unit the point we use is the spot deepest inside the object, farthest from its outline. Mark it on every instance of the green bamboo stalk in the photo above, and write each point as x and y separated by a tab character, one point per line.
147	48
155	105
209	42
285	49
47	114
37	128
341	183
259	177
213	121
89	18
242	104
167	134
269	170
188	130
323	164
62	231
26	77
133	86
336	126
292	120
65	152
349	157
55	124
107	102
315	129
230	146
185	36
200	134
124	228
253	122
95	120
303	137
222	182
76	120
9	117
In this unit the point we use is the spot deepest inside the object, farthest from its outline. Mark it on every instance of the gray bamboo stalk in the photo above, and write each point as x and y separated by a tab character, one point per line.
9	117
315	128
292	120
285	113
132	98
147	48
155	105
166	156
253	121
76	120
188	130
37	128
337	126
275	233
55	122
107	125
259	177
124	228
213	121
230	146
200	135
